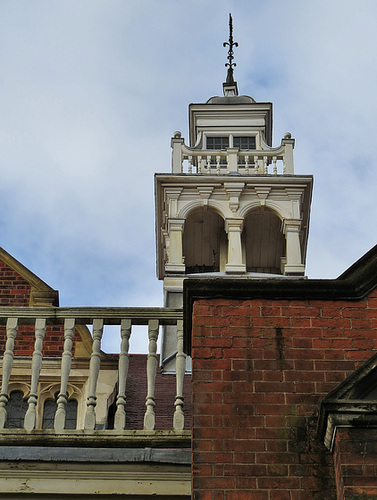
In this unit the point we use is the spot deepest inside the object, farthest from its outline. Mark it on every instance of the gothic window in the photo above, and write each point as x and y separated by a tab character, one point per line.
49	411
16	410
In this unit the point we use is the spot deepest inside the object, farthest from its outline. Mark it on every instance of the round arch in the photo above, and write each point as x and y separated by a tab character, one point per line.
204	241
263	241
196	205
269	205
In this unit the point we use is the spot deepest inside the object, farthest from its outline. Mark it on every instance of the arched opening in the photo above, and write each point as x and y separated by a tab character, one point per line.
263	242
204	242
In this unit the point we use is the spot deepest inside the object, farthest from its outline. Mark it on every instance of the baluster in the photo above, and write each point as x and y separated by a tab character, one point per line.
256	164
120	414
36	364
149	417
179	418
208	164
284	165
265	167
190	165
218	164
12	328
94	366
199	166
60	415
274	159
246	164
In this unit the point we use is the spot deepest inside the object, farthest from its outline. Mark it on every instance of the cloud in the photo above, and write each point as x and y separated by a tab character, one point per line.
91	92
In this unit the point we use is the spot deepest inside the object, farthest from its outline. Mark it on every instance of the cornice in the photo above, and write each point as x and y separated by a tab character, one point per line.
354	284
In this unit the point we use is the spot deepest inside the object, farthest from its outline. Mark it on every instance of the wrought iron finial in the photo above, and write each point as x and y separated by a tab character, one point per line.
230	65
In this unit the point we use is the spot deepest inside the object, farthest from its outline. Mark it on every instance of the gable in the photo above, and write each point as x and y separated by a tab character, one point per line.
20	287
353	403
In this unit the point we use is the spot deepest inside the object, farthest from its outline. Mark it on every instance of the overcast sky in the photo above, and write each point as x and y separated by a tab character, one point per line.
91	92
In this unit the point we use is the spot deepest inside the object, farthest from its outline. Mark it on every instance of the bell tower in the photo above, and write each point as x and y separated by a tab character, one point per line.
232	204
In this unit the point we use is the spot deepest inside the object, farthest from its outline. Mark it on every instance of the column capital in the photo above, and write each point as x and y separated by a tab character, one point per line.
293	225
234	224
175	224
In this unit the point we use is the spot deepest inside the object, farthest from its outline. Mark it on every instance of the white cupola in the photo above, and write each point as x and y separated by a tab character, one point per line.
232	203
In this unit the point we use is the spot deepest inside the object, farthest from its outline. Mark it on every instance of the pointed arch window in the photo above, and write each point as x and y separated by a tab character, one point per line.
16	410
49	410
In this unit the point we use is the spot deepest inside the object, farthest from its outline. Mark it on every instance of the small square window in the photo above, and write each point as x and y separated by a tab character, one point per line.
244	143
218	143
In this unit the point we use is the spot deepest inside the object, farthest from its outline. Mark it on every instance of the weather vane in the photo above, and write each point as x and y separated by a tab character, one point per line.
230	65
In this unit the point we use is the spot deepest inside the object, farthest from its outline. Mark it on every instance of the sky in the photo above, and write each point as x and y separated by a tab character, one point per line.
91	92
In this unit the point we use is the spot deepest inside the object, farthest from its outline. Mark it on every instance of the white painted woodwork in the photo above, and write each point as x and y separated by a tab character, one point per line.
12	329
120	414
179	418
40	331
94	367
152	363
60	415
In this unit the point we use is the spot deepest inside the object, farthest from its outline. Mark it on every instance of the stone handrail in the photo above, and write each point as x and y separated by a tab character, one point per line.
97	318
268	161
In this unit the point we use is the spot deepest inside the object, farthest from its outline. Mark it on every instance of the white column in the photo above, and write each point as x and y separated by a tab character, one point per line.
294	265
175	256
149	417
233	227
176	144
120	414
232	159
36	364
69	330
179	418
288	144
94	366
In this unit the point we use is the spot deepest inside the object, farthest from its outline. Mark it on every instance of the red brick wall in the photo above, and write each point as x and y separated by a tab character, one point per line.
260	371
165	391
355	454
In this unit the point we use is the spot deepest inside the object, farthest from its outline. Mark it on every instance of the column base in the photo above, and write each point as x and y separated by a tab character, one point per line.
172	268
294	270
235	268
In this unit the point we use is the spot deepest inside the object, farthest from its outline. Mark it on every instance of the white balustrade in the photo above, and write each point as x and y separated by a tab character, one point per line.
70	319
272	161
